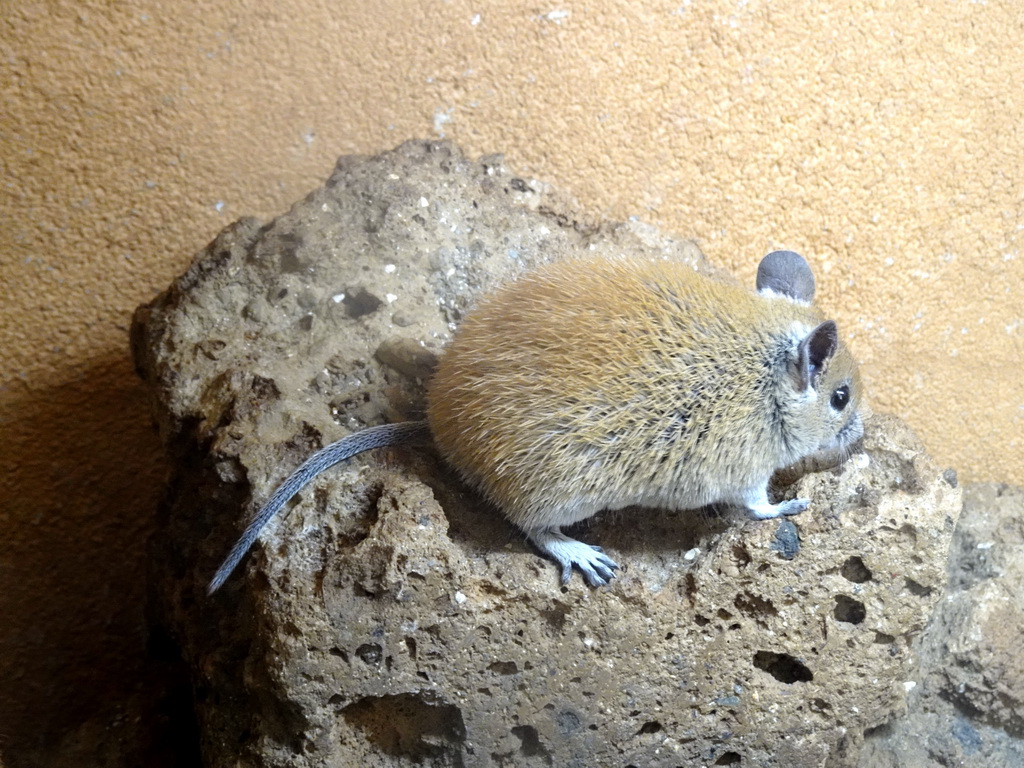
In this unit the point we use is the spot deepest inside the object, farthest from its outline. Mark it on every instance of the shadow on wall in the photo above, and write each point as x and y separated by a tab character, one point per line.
81	472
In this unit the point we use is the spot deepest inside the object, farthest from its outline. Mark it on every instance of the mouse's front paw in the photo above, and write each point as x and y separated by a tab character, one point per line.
790	507
793	506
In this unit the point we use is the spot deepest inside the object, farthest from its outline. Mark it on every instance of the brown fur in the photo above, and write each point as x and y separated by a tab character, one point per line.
599	383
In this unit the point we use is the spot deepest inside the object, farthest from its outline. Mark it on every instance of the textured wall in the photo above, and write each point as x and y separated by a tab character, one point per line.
882	140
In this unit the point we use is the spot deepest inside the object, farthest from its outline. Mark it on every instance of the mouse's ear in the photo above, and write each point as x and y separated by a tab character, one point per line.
814	352
786	273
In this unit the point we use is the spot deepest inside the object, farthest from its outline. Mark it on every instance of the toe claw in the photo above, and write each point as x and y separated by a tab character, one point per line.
566	573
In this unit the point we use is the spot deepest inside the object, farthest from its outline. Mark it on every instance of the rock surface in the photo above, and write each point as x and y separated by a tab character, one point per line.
390	617
968	708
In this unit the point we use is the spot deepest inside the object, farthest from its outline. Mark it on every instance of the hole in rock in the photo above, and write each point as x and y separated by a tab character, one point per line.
819	705
370	653
728	758
882	731
754	605
529	742
556	618
360	303
691	586
783	667
854	570
504	668
849	610
918	590
741	556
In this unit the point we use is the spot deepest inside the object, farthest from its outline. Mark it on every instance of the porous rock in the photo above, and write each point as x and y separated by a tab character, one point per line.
391	617
968	707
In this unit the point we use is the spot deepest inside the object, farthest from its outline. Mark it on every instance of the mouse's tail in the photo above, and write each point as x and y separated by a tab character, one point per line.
368	439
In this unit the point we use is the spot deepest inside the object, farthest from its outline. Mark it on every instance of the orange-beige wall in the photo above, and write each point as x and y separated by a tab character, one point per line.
883	140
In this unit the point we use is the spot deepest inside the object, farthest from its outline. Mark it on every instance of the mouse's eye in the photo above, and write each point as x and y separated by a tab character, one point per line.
841	397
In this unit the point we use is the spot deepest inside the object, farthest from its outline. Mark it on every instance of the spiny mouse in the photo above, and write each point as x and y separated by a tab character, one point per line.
604	383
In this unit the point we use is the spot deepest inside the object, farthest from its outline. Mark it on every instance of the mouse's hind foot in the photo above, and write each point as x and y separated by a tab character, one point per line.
597	568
